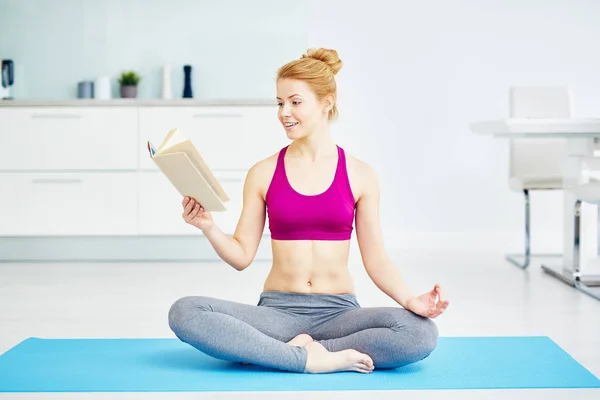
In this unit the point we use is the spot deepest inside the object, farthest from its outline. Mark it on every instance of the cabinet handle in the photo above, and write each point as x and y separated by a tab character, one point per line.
218	115
230	179
59	116
56	180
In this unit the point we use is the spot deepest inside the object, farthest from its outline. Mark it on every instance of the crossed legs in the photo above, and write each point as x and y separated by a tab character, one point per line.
356	339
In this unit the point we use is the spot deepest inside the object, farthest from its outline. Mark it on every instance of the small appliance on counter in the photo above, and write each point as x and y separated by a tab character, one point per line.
7	75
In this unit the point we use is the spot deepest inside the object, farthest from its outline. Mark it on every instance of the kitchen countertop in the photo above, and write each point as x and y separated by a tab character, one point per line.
135	102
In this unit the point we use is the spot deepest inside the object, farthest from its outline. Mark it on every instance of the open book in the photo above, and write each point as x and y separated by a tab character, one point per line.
179	160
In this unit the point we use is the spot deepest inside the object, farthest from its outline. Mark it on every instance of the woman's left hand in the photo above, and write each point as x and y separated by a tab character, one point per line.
430	304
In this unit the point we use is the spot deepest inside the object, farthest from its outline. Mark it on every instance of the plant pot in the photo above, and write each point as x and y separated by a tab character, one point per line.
128	91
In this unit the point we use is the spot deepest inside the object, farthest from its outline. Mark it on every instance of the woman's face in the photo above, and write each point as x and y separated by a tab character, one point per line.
300	111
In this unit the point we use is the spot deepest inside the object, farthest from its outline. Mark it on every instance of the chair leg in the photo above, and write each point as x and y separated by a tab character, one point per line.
579	285
522	260
577	240
516	258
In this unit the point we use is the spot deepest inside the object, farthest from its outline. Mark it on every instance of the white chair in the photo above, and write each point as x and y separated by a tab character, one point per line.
536	164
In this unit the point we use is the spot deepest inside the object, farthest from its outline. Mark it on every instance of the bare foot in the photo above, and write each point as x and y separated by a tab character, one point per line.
322	361
301	340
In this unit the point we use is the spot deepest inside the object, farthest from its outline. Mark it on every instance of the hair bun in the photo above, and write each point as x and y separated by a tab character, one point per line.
328	56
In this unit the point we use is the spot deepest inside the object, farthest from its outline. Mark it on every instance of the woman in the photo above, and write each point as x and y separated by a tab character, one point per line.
307	318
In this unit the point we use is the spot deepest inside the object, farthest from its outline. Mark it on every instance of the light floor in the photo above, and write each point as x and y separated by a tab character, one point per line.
488	297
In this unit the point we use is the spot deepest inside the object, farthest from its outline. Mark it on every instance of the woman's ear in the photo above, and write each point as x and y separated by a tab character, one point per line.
329	101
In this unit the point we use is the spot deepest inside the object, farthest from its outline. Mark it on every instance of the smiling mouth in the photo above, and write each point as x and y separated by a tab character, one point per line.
290	124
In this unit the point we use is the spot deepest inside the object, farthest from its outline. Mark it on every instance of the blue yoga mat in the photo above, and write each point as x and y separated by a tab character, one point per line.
163	365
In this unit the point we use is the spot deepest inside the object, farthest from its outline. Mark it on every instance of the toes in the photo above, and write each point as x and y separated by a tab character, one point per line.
367	363
362	368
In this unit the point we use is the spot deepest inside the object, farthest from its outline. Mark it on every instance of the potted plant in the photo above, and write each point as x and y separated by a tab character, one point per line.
129	81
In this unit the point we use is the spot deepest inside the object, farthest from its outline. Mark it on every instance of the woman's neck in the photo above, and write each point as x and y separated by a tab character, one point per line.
314	146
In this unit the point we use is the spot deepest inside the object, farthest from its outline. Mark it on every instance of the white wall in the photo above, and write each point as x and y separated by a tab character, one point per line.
417	73
234	46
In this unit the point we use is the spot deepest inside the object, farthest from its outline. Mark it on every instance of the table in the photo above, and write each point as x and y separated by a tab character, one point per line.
582	135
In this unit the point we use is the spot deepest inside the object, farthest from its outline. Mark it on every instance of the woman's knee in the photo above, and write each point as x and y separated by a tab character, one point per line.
182	311
419	335
425	334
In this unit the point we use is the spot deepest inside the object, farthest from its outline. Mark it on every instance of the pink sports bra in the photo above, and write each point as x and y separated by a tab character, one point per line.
325	216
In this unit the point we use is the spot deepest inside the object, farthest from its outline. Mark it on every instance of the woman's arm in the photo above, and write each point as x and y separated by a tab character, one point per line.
240	249
377	264
370	240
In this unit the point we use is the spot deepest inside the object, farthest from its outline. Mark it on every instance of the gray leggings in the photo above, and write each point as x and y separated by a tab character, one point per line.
391	336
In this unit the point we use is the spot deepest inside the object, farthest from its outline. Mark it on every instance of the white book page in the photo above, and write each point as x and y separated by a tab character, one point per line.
174	137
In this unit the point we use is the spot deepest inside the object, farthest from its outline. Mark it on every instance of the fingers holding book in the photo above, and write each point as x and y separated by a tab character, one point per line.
195	215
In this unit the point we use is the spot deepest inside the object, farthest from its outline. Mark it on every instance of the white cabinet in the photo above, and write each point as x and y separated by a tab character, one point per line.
233	184
228	138
68	138
83	169
160	208
41	204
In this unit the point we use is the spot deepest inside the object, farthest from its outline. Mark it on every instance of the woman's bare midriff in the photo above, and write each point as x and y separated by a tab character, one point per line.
310	266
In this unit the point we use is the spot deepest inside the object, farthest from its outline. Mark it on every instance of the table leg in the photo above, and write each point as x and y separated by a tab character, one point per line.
580	233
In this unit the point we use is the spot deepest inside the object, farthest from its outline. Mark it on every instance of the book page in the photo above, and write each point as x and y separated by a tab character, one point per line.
184	176
174	137
190	150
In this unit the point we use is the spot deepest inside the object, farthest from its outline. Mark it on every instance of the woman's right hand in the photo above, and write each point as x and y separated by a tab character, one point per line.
194	214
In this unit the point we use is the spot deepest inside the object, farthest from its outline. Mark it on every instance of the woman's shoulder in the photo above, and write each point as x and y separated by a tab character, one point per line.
358	167
361	174
266	165
261	173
